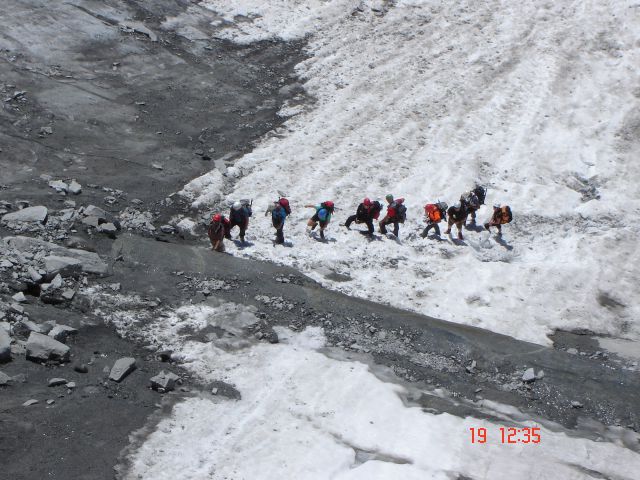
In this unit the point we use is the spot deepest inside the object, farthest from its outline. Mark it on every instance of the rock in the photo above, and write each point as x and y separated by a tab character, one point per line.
51	401
54	382
19	297
75	188
82	368
79	243
29	214
122	368
4	379
61	332
167	229
6	264
28	403
528	376
71	385
54	264
5	326
540	375
68	294
157	166
31	326
91	221
5	346
576	404
15	308
166	381
572	351
107	228
42	348
57	281
115	287
164	355
93	211
59	186
46	130
34	275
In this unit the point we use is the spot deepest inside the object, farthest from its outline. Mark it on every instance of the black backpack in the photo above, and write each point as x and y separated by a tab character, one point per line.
401	212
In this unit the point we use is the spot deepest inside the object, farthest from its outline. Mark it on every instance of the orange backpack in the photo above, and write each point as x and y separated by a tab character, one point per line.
433	212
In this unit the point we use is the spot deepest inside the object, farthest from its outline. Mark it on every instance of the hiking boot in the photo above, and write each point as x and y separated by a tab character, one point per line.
460	236
242	239
322	234
486	225
447	231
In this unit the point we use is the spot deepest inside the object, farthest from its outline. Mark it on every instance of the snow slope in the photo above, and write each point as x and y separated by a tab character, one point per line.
538	100
303	415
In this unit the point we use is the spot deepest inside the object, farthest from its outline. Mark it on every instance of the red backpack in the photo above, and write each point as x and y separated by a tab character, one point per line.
433	212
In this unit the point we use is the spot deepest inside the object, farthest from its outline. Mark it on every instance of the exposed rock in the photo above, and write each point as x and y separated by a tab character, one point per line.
19	297
68	294
529	375
34	275
540	375
61	332
576	404
66	266
82	368
31	326
54	382
4	379
75	188
93	211
91	221
59	186
80	244
57	281
107	228
42	348
165	381
572	351
167	229
29	214
28	403
71	385
122	368
51	401
5	346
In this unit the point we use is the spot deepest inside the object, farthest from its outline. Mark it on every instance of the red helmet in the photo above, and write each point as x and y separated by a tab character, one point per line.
328	204
366	202
284	202
216	218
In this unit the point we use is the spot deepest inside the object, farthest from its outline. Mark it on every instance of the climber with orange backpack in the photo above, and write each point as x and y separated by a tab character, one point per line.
501	216
322	216
434	213
218	228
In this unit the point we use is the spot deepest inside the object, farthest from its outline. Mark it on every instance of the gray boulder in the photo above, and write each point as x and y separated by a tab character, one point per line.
75	187
66	266
34	275
122	368
58	185
4	379
61	332
93	211
54	382
529	375
89	262
5	346
42	348
165	381
29	214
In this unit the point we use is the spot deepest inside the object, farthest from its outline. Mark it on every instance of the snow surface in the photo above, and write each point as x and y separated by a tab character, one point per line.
304	415
537	100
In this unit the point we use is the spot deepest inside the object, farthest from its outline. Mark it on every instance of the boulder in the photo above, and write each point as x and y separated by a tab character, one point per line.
122	368
165	381
28	403
75	187
5	346
31	326
93	211
29	214
66	266
42	348
58	185
529	375
19	297
80	243
4	379
34	275
89	262
107	228
57	281
61	332
91	221
54	382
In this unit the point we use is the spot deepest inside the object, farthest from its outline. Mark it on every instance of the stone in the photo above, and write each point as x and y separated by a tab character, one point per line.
167	229
540	375
82	368
71	385
54	382
4	379
107	228
165	381
91	221
59	186
42	348
51	401
54	264
5	346
75	188
80	243
15	308
28	403
34	275
31	326
57	281
46	130
19	297
93	211
572	351
68	294
122	368
29	214
528	376
6	326
61	332
576	404
6	264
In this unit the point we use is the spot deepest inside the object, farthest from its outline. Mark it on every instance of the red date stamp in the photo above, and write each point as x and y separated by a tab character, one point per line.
508	435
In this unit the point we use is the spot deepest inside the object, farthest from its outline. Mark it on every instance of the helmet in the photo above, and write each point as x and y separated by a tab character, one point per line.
237	206
366	202
283	202
328	204
389	198
443	205
216	218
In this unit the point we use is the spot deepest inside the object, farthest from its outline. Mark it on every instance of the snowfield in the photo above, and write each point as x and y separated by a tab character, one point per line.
305	415
537	100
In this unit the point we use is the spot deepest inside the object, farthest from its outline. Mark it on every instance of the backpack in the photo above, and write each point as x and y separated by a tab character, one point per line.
433	212
401	210
505	214
481	193
471	199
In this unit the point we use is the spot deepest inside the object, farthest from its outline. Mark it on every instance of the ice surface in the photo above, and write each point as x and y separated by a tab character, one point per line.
537	100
